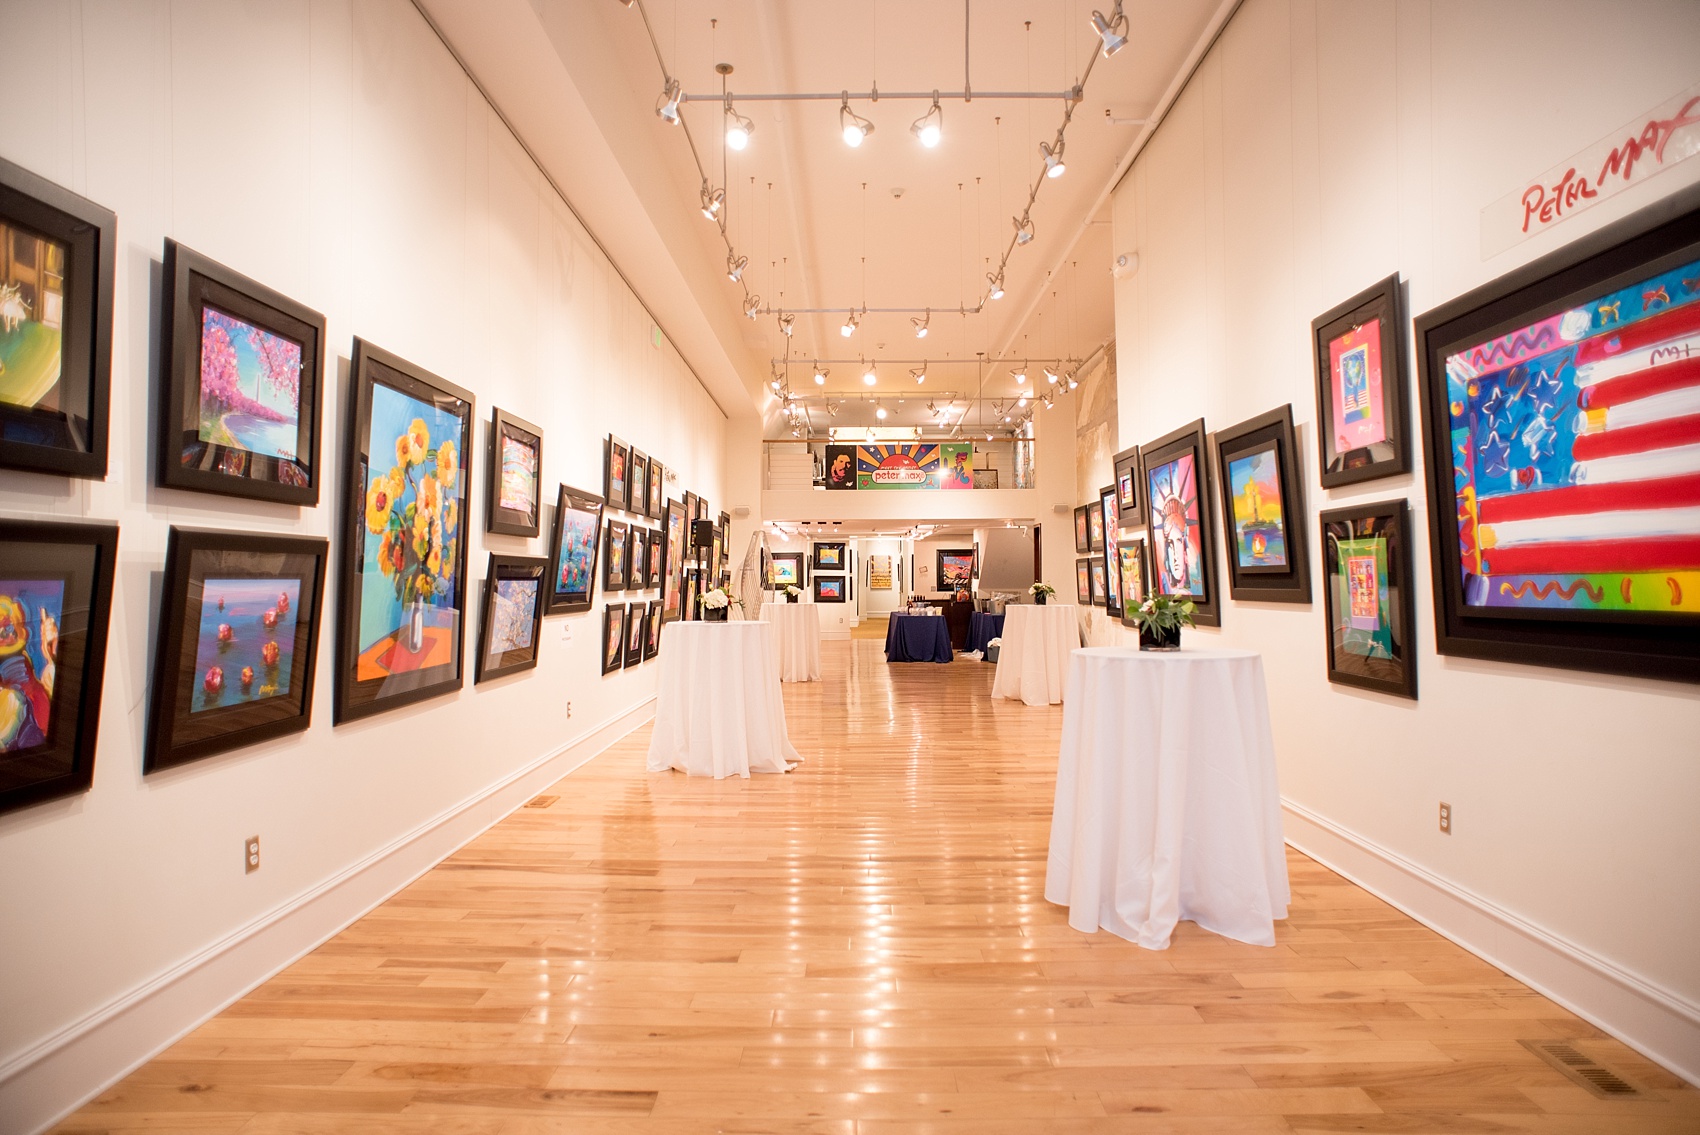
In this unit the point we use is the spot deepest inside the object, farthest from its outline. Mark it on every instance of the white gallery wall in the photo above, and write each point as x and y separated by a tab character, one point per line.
333	150
1322	145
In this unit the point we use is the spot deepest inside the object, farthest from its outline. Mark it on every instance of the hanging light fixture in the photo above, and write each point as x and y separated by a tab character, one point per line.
1111	30
920	322
786	323
853	126
919	374
879	412
712	200
851	322
995	284
870	376
667	107
1054	157
872	436
1051	376
1020	375
752	303
929	128
738	128
820	375
1023	228
735	270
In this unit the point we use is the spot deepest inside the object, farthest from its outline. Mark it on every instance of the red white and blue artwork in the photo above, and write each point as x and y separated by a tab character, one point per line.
906	466
1178	549
1576	456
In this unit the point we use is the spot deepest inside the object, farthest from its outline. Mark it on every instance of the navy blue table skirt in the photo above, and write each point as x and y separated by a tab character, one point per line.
917	638
983	628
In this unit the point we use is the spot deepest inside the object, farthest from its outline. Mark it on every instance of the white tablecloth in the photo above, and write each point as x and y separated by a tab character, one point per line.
796	635
1167	806
1033	658
718	711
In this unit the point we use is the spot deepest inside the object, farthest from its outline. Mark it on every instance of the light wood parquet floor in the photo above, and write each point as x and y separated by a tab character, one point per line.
859	948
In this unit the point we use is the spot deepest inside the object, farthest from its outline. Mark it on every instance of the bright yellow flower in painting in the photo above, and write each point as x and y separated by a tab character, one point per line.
379	499
418	441
387	554
430	495
451	515
421	533
446	464
434	561
401	451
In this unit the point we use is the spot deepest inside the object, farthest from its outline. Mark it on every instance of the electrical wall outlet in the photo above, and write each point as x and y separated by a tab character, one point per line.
1445	818
569	709
251	855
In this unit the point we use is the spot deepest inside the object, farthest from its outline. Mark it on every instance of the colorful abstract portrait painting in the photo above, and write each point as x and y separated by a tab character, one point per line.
1360	387
1177	520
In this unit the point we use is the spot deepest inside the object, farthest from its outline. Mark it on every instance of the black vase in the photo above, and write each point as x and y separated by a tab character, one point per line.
1162	639
715	614
1040	599
790	598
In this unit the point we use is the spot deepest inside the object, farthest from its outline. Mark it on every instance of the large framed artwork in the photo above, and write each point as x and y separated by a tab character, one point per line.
401	610
614	557
1082	530
1130	578
785	569
241	383
652	629
1083	581
1366	553
613	637
1130	493
516	464
1178	520
1262	502
57	257
1109	506
830	588
1362	419
657	507
830	556
55	609
573	548
840	467
673	561
637	482
238	637
1561	412
513	613
956	568
616	472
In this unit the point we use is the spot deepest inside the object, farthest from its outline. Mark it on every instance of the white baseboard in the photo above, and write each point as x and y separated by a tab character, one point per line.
1659	1023
48	1081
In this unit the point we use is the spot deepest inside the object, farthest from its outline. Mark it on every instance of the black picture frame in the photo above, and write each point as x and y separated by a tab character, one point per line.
51	754
1377	358
1109	507
1082	531
1380	622
613	637
655	558
798	564
1130	493
207	306
1097	525
1098	576
1164	461
637	484
616	464
652	629
614	549
514	515
692	584
673	544
637	559
973	565
831	588
1131	554
511	627
413	662
830	555
1606	593
63	427
691	510
1083	581
1266	441
636	614
577	527
657	507
213	615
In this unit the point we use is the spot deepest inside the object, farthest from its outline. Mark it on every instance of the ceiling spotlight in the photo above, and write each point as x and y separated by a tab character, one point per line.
879	412
773	384
1051	376
1073	382
712	200
872	436
854	127
668	105
1053	158
735	268
1023	228
919	374
988	435
920	323
1020	376
930	126
870	376
738	128
995	281
851	322
1049	401
785	323
917	433
1006	417
1110	30
752	303
820	375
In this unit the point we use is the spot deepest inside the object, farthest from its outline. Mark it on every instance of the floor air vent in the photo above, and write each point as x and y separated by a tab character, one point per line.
1585	1070
541	801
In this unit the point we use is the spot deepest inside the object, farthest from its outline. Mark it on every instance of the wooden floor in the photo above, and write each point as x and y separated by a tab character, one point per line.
862	947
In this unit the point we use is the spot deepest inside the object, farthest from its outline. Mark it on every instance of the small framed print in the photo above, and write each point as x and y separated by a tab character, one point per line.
238	637
691	509
614	557
637	482
693	588
652	629
516	463
655	558
616	472
1098	591
702	509
830	556
1112	531
637	559
785	569
1130	579
1083	582
513	612
1362	412
955	568
657	490
1130	496
55	609
242	378
1178	520
636	627
674	539
1262	501
725	565
1366	554
1082	530
831	588
1095	525
57	267
573	549
716	551
613	637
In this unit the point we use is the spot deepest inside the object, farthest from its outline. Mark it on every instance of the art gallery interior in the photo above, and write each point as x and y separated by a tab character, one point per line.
694	260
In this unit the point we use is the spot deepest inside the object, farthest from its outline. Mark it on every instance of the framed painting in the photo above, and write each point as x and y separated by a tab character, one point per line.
636	627
829	556
1083	581
785	569
831	588
702	508
1366	553
513	614
692	591
1262	501
652	629
717	553
673	562
616	472
1130	579
57	258
690	511
614	556
1130	494
637	559
1361	409
401	608
516	462
1095	526
573	548
654	560
238	637
55	610
637	482
725	545
613	637
242	379
657	490
1098	587
1111	509
1178	520
956	569
1082	531
840	467
1559	416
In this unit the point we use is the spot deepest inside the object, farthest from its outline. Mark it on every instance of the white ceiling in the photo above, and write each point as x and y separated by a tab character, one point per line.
797	206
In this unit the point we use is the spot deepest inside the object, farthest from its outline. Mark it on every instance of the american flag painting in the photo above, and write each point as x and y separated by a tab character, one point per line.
1576	456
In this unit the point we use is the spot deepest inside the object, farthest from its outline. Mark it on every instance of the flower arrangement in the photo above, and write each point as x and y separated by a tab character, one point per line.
793	590
1160	619
414	512
1041	592
717	602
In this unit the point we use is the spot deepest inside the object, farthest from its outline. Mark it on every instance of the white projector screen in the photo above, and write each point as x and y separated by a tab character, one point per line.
1006	560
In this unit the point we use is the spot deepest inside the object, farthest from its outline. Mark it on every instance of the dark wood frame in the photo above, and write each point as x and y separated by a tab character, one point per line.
616	495
85	556
843	590
1082	530
1144	571
1660	237
1381	301
1289	584
656	506
89	233
1396	518
655	559
673	560
1107	503
1083	595
1098	580
637	558
798	558
1096	541
614	614
615	534
1189	438
173	688
353	698
973	565
557	602
636	613
1130	504
508	521
843	555
652	630
636	503
501	567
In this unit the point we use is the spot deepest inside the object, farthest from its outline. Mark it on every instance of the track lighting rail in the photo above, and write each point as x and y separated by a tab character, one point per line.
1072	95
